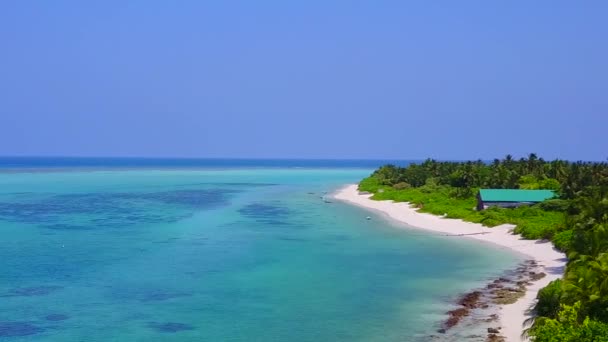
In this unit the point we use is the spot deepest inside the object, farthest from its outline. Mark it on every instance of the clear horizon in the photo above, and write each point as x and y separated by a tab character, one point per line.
278	158
315	80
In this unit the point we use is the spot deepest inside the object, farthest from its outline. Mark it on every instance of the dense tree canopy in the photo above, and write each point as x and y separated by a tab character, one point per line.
569	178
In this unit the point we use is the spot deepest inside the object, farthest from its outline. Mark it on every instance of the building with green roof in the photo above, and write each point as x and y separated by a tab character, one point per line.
511	198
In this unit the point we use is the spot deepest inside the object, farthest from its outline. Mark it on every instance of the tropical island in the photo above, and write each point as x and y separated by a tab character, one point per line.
571	212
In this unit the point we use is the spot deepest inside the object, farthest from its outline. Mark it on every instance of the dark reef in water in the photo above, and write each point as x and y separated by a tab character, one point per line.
170	327
112	210
32	291
56	317
162	296
14	329
468	302
504	290
144	296
266	213
64	226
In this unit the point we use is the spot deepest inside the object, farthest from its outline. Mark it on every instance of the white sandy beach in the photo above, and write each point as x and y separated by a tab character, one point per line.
512	316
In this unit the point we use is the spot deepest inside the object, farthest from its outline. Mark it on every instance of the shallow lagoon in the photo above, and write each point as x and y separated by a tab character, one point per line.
219	255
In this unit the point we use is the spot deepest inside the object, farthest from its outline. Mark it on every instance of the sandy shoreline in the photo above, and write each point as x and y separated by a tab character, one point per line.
511	316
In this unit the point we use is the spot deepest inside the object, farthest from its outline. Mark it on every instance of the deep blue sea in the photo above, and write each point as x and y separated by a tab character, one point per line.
217	250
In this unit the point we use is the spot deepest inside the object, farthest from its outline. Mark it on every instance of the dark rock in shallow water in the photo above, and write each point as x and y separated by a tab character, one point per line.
536	276
455	316
495	338
170	327
34	291
12	329
470	300
56	317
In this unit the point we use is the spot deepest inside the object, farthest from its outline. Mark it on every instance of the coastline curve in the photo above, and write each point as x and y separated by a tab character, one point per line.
512	317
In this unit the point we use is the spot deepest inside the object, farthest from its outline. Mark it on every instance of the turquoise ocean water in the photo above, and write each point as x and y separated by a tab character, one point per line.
225	253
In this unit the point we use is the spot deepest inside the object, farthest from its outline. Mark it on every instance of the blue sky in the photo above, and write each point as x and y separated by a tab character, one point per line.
306	79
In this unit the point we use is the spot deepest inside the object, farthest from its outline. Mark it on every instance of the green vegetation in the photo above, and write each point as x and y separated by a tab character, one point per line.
532	222
572	309
567	326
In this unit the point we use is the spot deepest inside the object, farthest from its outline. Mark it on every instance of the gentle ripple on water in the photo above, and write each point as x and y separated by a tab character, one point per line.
240	255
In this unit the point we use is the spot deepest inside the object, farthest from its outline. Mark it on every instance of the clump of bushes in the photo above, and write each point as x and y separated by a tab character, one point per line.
401	186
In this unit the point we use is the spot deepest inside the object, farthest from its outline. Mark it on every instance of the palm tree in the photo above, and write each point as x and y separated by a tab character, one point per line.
587	282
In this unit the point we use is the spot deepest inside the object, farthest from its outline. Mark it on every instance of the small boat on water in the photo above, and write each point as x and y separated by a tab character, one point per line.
368	218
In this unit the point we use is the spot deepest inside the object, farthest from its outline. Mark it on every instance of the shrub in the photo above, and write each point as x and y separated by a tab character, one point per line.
554	205
401	186
370	184
567	327
563	240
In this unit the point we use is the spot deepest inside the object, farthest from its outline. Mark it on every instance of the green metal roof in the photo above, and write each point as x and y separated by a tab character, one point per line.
515	195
